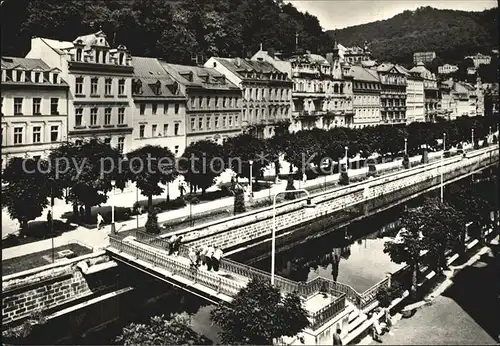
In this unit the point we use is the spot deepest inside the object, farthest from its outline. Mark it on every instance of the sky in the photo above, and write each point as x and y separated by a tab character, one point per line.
338	14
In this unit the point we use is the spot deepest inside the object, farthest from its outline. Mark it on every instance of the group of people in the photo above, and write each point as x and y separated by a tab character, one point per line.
208	256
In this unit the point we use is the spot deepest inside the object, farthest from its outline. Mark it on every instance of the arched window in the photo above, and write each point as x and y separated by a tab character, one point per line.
341	88
336	88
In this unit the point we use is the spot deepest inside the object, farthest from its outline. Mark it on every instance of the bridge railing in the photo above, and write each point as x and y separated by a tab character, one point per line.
328	312
216	282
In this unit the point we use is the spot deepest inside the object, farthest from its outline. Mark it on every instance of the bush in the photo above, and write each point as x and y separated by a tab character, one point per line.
170	205
239	201
290	187
406	162
372	170
266	202
386	295
485	142
495	139
152	222
446	154
425	157
344	178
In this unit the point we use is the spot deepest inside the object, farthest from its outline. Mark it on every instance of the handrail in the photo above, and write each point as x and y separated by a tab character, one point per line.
327	312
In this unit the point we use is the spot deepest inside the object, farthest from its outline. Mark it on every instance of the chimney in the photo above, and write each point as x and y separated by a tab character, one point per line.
238	62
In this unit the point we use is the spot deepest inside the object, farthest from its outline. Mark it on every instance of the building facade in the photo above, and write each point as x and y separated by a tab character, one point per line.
366	97
159	114
423	57
447	69
448	104
392	93
267	92
213	109
100	86
34	108
479	59
491	100
415	105
431	91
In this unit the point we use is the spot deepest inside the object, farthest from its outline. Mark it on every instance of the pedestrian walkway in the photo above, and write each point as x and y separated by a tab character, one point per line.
98	239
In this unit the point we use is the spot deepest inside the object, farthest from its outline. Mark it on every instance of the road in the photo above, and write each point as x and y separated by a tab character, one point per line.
467	313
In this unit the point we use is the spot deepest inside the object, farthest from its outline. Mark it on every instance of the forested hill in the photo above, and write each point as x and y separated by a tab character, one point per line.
451	34
173	30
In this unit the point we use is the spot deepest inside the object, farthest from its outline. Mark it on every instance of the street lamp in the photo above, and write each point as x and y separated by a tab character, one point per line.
346	163
113	227
472	136
251	170
51	180
406	146
273	239
442	159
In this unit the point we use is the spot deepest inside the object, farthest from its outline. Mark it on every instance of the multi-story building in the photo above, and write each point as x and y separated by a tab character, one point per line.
424	57
159	115
479	59
414	98
447	69
366	96
353	55
267	92
431	91
459	99
491	100
100	81
448	103
34	108
392	93
213	110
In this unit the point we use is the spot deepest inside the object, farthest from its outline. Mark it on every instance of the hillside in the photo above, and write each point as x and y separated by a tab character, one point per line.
451	34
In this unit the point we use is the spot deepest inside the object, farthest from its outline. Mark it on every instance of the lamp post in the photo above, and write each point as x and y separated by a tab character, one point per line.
251	187
273	239
472	137
113	227
51	180
137	203
406	146
346	163
441	168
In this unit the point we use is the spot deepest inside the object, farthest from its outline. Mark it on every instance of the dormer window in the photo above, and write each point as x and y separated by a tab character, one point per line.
120	59
97	56
54	78
188	76
79	54
157	88
137	86
174	88
19	75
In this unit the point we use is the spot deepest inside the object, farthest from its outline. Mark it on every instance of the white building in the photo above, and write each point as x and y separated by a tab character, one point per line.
415	104
447	69
34	106
100	86
479	59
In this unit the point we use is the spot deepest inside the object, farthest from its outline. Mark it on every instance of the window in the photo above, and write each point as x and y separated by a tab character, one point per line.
107	141
93	116
176	150
176	129
208	123
165	129
223	121
176	108
230	121
154	130
36	106
121	116
54	78
216	102
141	131
54	133
200	101
244	114
107	116
192	102
192	124
79	54
79	86
216	122
18	135
54	106
165	108
121	87
200	123
142	108
154	108
18	106
236	120
93	86
224	102
37	134
107	86
121	143
208	102
78	116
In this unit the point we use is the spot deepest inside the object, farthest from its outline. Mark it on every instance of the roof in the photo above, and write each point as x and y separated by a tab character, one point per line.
149	71
177	71
238	65
58	46
92	39
364	74
24	63
386	67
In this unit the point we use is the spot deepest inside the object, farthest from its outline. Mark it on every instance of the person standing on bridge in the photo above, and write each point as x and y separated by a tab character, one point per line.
216	258
100	220
336	337
192	258
203	255
177	245
209	257
171	243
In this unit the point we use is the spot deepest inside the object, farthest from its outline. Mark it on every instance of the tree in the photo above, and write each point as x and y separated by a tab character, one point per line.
239	199
162	331
149	166
259	314
302	148
28	189
87	170
202	162
152	222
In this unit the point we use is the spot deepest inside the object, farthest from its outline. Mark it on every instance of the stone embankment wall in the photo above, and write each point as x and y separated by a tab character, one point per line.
374	193
52	287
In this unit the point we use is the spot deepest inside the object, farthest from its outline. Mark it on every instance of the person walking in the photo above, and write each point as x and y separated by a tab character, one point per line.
216	258
49	221
192	258
209	257
336	337
100	220
170	243
203	255
177	245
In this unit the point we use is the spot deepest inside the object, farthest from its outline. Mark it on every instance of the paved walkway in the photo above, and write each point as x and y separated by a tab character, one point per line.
98	239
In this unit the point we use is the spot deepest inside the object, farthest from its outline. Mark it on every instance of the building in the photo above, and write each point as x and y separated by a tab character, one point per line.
267	92
353	55
213	110
424	57
471	70
393	93
415	104
100	86
447	69
479	59
491	100
34	107
366	96
448	103
431	91
159	115
459	99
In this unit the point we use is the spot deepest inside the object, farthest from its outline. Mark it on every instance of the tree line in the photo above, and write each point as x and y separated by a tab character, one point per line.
77	172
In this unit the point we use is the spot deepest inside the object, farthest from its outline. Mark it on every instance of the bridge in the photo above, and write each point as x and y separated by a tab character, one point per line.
323	298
